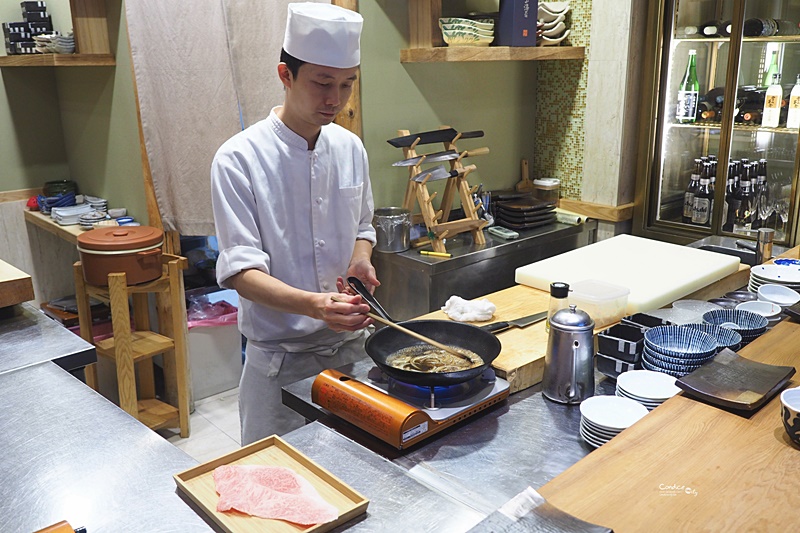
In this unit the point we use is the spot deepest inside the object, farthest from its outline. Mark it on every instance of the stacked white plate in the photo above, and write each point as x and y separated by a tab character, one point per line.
786	275
649	388
98	204
604	417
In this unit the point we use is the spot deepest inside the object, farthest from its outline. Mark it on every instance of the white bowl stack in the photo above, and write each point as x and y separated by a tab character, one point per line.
604	417
649	388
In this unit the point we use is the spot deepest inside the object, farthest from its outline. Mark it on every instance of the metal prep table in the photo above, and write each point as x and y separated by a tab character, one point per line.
481	463
413	284
70	454
30	337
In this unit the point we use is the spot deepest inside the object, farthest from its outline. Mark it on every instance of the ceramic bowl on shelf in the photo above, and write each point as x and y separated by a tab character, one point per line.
463	38
547	41
468	29
550	25
481	24
555	7
555	31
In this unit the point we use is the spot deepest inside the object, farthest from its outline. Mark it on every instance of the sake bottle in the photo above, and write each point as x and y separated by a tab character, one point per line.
771	116
691	188
688	92
793	120
771	69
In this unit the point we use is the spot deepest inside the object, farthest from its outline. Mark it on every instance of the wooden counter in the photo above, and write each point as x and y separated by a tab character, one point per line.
689	466
15	285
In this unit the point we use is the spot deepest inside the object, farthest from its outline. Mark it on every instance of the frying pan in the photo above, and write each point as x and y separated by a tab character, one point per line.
383	343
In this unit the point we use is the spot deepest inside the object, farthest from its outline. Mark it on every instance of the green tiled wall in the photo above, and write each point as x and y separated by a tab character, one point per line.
560	105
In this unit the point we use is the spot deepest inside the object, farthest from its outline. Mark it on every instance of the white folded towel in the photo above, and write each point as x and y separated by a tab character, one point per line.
463	310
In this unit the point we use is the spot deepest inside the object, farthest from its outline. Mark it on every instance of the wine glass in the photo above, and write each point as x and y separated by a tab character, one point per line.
782	209
766	206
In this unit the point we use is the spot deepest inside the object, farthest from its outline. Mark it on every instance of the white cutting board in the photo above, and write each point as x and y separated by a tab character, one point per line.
656	272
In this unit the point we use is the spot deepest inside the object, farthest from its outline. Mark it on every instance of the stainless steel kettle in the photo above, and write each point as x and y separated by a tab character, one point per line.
569	359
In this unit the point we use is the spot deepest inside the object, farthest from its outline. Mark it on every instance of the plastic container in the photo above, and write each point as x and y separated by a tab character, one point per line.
547	189
605	302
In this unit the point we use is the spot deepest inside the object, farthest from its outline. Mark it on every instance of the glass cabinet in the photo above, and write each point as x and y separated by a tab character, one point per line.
718	154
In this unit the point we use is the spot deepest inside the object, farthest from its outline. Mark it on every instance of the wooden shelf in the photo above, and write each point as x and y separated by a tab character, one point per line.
156	414
491	53
90	28
58	60
144	344
68	233
791	39
754	128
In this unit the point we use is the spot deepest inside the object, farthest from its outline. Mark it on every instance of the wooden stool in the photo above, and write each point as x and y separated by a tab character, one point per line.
132	351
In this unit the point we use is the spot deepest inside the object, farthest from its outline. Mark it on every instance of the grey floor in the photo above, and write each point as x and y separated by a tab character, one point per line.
214	427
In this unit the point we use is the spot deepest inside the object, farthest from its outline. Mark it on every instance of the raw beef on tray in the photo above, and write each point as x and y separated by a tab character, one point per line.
271	492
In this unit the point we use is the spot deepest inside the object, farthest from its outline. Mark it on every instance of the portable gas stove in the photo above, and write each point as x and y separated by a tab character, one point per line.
402	414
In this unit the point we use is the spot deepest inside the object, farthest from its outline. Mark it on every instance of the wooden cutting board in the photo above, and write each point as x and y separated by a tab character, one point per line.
15	285
521	361
657	273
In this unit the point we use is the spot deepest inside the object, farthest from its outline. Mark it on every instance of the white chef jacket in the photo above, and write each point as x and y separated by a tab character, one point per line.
293	213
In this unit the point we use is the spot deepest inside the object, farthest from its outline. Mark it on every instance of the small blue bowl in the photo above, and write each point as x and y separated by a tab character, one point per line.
657	358
746	323
648	366
726	338
661	365
681	342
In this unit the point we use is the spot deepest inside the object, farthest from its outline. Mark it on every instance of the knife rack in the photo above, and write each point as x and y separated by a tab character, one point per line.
437	221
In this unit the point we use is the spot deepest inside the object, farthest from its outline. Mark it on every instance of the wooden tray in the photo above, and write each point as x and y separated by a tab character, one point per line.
198	484
734	382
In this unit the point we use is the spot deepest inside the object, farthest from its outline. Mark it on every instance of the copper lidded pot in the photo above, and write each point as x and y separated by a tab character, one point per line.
134	250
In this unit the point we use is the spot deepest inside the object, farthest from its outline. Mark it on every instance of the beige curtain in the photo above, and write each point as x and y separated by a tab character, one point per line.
204	69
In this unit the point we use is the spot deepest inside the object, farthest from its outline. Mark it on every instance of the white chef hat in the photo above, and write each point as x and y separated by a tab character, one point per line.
323	34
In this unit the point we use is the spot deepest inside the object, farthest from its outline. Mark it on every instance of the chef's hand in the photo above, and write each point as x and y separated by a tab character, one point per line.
363	270
343	312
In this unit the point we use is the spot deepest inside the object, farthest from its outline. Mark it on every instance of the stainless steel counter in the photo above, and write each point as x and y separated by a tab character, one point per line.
30	337
414	284
484	461
398	501
69	454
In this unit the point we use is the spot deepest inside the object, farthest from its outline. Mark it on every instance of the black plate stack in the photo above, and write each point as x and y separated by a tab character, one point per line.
525	213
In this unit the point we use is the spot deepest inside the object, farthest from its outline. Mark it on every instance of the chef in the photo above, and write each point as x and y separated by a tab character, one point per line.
293	206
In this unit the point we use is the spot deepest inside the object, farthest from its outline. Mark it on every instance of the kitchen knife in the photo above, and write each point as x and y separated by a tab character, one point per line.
436	173
435	136
525	321
446	155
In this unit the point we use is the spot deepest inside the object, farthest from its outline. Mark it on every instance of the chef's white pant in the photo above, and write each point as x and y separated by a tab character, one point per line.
261	411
